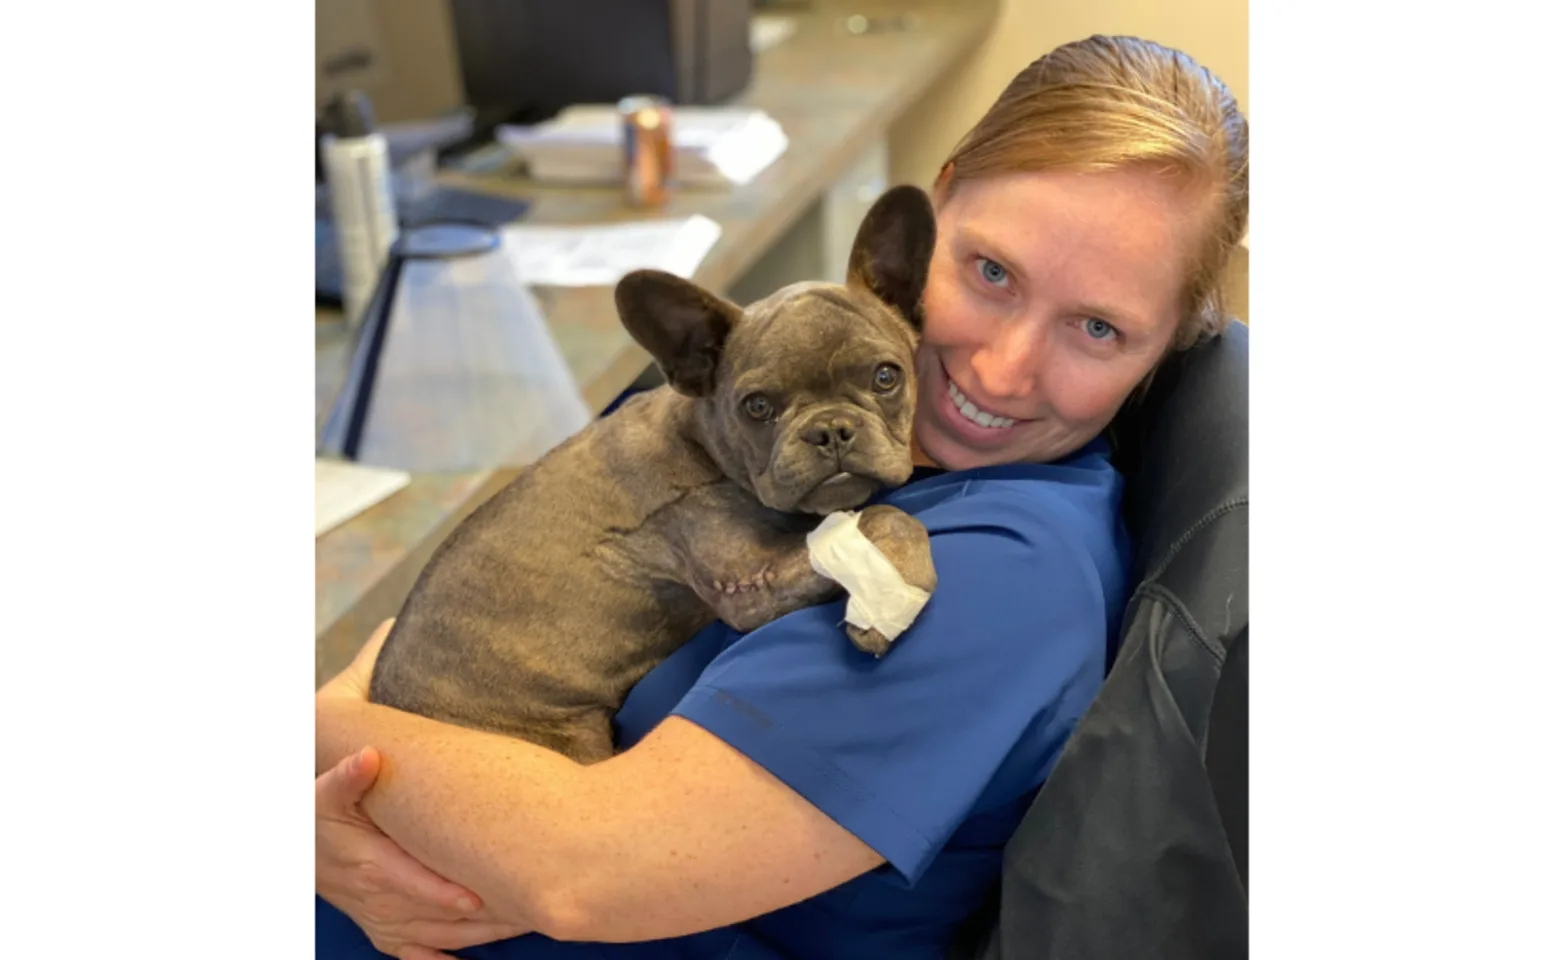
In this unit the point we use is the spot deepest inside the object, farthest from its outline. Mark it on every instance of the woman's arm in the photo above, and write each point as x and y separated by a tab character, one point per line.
684	832
680	834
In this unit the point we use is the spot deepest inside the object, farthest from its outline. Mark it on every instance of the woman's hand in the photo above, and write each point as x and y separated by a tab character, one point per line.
406	909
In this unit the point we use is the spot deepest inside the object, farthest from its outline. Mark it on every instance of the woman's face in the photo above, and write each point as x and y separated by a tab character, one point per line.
1050	296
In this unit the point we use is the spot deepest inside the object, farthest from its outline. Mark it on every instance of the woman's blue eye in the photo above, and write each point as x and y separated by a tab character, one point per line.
993	272
1099	329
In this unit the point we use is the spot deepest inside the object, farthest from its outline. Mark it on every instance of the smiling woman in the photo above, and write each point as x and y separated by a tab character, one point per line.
1083	226
1050	296
776	793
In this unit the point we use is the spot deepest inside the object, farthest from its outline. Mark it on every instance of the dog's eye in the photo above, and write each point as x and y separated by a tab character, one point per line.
757	406
887	376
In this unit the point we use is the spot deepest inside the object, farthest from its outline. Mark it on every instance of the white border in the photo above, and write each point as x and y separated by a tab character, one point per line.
1406	523
157	366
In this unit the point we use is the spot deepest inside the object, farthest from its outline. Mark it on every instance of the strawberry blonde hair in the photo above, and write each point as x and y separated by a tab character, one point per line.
1112	102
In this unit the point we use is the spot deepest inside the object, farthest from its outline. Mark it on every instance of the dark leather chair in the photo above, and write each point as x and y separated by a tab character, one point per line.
1137	846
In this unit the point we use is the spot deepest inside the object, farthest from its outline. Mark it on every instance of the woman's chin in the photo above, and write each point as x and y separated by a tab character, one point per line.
1026	445
951	454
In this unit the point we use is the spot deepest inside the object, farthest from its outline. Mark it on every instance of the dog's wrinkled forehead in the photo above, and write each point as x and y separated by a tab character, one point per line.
811	322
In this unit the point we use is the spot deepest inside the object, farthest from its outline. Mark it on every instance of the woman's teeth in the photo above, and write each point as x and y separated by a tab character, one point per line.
969	410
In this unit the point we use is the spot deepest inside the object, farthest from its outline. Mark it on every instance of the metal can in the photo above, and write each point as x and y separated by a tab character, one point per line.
647	122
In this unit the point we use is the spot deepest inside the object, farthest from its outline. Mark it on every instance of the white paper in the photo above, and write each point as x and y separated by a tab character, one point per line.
600	255
344	490
712	146
596	124
766	32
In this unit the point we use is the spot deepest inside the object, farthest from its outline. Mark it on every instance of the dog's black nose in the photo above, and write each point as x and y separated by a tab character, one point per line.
830	435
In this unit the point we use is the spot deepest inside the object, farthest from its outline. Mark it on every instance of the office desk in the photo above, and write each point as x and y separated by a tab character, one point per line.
836	94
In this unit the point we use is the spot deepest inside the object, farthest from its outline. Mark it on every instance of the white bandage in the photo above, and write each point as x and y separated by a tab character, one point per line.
877	596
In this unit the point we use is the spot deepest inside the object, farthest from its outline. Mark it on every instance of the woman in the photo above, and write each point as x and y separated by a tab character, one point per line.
781	797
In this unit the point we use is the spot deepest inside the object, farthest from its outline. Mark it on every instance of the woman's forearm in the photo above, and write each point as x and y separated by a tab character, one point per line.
502	817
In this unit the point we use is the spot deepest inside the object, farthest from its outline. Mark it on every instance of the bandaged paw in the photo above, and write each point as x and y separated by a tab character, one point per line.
877	596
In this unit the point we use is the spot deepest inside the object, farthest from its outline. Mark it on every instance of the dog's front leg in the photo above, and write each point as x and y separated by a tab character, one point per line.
752	567
750	585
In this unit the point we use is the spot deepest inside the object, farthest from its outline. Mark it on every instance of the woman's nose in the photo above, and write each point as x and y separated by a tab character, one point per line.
1008	366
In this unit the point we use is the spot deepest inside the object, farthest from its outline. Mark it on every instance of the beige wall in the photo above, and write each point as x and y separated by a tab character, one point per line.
1214	32
411	72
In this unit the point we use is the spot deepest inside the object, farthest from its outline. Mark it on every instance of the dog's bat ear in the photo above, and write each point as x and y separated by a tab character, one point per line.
681	325
892	250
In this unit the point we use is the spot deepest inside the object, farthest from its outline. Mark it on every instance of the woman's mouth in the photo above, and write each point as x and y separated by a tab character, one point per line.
969	421
975	413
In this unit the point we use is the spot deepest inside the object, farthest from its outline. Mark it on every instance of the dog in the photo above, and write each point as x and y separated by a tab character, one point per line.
688	504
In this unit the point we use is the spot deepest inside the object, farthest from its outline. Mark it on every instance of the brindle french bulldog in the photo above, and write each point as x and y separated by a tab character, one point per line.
688	504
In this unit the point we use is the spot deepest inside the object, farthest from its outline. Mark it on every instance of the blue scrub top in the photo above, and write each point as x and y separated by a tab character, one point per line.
930	755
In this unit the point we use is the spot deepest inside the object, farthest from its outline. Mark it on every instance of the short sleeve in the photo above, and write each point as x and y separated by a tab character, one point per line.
1009	650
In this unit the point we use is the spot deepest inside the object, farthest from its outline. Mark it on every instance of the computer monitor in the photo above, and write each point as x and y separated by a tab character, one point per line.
522	61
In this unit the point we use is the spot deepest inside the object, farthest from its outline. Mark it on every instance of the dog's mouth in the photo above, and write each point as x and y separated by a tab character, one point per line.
840	481
839	491
799	479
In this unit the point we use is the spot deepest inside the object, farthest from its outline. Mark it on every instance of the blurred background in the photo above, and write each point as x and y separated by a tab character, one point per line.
404	53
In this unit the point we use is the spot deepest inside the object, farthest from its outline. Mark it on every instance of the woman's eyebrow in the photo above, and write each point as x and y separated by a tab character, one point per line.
1125	321
968	237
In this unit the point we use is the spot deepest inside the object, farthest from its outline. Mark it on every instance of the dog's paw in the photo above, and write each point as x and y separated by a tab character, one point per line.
904	542
869	640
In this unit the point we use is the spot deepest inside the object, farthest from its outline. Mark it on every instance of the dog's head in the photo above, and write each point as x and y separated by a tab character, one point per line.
808	394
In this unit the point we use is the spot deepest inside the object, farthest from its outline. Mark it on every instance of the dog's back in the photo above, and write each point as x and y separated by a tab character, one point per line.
542	609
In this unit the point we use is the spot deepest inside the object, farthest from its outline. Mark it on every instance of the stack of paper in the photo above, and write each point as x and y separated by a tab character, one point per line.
600	254
713	146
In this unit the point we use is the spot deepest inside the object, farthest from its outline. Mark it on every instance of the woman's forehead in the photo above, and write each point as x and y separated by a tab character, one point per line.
1117	235
1122	205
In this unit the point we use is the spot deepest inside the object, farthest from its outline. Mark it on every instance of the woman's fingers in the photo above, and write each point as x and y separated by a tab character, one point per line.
367	875
403	875
339	789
